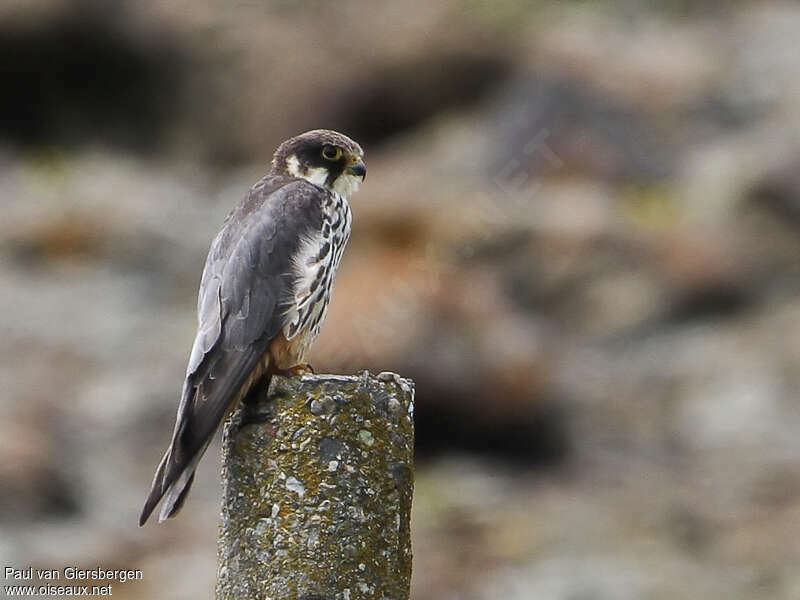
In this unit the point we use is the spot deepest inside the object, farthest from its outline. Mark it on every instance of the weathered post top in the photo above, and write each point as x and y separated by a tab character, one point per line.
317	485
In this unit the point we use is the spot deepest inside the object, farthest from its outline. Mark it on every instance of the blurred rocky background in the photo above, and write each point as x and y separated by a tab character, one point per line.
580	235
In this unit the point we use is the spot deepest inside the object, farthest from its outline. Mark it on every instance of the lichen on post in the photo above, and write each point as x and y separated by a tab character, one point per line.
317	485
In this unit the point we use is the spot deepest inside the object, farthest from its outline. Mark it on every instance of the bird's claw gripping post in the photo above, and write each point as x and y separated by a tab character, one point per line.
301	369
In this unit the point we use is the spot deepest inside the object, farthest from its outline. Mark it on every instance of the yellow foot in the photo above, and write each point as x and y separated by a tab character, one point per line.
301	369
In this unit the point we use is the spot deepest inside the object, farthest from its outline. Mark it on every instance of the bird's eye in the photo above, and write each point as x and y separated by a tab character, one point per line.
331	153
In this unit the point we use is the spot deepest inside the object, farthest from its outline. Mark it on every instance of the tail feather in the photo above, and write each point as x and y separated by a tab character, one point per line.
156	489
177	492
172	482
193	432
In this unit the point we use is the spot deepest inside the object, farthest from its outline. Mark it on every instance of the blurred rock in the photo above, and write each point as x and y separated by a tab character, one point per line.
83	74
550	127
779	194
578	235
35	476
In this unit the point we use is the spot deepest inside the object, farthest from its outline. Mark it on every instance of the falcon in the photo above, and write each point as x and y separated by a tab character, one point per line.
263	296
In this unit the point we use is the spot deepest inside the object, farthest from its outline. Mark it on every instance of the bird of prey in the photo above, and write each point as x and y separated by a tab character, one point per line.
263	295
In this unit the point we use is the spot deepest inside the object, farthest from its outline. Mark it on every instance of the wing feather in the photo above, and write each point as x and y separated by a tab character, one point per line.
244	292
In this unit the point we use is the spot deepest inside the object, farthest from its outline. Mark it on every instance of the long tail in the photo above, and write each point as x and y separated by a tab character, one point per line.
193	433
171	482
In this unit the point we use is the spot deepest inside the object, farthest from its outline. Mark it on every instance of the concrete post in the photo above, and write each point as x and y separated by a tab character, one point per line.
317	484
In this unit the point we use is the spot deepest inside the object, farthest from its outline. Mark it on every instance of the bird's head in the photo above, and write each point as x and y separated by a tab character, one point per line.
323	157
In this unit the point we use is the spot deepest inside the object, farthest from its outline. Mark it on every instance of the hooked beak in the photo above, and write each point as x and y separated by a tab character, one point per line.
358	169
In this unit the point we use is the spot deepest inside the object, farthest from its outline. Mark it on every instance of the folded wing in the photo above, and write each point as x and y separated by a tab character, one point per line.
244	294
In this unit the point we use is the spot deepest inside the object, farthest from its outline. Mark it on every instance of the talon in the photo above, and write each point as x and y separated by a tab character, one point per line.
301	369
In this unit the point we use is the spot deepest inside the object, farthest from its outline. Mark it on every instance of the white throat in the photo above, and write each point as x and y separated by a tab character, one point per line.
345	185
